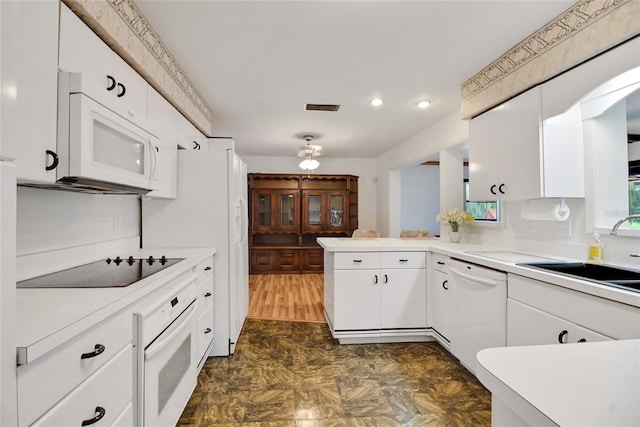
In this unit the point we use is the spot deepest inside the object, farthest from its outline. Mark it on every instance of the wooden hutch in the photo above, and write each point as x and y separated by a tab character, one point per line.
288	212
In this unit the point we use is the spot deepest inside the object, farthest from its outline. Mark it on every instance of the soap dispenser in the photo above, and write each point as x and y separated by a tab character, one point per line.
595	254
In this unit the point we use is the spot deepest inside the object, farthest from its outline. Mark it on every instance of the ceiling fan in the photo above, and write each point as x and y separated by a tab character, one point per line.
308	152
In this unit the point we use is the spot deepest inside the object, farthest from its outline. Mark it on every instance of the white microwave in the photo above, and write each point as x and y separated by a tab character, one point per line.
98	150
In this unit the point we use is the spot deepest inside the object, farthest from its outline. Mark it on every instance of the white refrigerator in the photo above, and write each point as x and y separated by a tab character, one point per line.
209	211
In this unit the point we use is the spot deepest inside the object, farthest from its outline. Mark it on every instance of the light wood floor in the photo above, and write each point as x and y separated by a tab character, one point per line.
293	297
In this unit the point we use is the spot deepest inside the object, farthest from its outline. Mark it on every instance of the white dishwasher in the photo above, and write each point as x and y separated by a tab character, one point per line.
479	305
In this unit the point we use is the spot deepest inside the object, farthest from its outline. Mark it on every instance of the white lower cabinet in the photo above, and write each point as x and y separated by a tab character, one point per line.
439	301
204	271
529	326
377	294
542	313
100	399
53	377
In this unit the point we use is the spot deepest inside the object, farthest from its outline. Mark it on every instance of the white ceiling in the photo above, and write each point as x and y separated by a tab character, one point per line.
257	63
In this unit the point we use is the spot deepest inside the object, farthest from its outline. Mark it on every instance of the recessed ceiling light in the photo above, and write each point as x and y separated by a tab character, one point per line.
376	102
423	104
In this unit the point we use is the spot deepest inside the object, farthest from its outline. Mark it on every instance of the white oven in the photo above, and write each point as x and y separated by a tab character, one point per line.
97	146
165	338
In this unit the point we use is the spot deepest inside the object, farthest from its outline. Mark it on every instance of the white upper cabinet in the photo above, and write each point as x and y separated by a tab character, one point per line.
504	150
109	79
190	138
37	82
514	155
163	122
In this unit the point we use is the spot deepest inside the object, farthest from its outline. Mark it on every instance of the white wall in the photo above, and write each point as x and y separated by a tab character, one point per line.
448	132
365	169
50	220
420	198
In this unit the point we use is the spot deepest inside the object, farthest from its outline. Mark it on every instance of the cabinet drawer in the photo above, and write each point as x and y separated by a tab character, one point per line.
125	418
42	383
357	260
613	319
204	268
205	294
439	262
403	260
109	388
205	331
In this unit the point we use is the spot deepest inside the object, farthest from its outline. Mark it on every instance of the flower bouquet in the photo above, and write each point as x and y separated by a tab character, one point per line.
455	218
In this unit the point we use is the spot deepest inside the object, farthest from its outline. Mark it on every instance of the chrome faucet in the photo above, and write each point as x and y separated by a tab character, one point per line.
614	230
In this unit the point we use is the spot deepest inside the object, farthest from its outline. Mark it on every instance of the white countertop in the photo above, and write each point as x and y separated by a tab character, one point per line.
585	384
469	252
45	318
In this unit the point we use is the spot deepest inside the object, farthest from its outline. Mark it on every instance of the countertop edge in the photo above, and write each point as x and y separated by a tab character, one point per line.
32	344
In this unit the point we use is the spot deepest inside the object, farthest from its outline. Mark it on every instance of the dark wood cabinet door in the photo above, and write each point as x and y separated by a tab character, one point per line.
263	210
313	260
288	210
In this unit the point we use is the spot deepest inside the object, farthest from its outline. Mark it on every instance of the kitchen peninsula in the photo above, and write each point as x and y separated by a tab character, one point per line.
540	308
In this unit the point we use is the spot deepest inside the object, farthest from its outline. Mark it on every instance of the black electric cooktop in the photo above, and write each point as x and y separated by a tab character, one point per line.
108	273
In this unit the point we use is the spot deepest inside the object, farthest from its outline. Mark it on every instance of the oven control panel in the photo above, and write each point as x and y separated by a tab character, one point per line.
163	309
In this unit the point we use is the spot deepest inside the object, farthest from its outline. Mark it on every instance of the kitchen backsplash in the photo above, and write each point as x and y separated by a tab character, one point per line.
49	220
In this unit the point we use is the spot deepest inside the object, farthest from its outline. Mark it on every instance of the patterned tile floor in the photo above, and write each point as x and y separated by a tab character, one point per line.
295	374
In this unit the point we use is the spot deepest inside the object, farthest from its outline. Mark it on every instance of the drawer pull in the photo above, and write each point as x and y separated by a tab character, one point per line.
207	268
357	260
582	340
403	260
208	294
207	331
386	279
444	284
375	281
99	349
100	412
561	336
440	263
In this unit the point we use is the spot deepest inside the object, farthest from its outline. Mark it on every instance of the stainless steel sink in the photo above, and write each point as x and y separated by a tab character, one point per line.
607	275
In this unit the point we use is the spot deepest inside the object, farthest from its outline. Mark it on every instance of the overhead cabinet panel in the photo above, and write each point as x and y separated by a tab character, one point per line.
515	155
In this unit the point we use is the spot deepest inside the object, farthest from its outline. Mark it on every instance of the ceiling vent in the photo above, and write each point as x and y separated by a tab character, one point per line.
321	107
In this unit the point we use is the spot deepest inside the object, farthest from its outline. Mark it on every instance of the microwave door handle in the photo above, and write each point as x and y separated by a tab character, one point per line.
154	161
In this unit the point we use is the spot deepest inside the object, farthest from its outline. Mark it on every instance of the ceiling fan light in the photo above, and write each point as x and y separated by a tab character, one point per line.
423	104
309	164
376	102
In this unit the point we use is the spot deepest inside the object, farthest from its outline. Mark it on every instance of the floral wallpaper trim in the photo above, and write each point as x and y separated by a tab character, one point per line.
580	15
141	28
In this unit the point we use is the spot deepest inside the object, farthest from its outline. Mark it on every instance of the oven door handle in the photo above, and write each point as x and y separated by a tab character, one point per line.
183	322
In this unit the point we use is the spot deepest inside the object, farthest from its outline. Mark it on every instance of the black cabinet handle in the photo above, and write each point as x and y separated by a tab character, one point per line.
54	163
196	146
493	189
386	279
357	260
207	331
112	83
123	91
561	337
403	260
98	349
582	340
100	412
207	295
500	188
444	284
207	268
375	280
440	263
